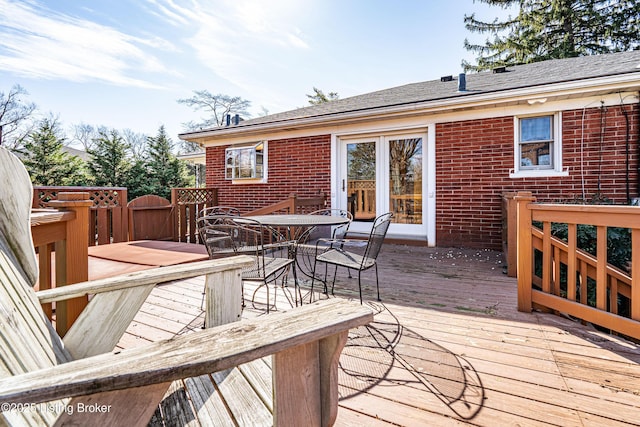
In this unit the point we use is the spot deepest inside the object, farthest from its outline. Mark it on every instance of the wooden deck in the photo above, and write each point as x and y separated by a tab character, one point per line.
447	348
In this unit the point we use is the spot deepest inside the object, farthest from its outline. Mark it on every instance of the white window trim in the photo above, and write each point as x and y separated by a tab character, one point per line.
557	169
265	156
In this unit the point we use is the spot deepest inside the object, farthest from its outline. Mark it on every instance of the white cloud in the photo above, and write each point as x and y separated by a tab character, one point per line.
235	38
37	42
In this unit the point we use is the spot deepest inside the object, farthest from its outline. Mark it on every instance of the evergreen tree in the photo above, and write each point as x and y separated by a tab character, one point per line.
319	97
165	171
47	163
109	165
138	181
552	29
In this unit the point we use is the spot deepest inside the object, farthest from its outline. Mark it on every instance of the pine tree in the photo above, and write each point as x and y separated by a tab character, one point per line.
109	163
551	29
165	170
319	97
47	163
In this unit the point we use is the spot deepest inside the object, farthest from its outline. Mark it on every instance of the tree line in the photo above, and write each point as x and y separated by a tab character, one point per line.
111	162
114	158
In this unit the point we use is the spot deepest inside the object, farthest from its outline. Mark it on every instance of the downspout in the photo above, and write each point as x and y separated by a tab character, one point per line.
626	148
638	148
603	126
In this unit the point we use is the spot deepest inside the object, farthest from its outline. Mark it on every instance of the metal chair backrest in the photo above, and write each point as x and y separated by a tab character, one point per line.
339	231
251	237
215	234
376	238
210	216
219	210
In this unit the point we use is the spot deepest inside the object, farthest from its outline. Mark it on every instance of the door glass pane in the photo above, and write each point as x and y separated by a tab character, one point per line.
361	180
405	180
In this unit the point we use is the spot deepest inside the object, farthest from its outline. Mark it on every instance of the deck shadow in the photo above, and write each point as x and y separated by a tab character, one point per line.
389	354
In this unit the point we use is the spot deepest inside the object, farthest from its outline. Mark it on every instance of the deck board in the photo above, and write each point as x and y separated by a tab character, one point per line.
447	348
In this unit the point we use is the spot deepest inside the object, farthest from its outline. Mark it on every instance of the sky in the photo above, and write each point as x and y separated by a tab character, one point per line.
125	63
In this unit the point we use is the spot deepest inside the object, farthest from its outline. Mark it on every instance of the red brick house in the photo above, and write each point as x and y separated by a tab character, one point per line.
441	153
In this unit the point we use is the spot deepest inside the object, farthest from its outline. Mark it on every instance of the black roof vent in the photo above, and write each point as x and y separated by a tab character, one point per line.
499	70
446	78
462	82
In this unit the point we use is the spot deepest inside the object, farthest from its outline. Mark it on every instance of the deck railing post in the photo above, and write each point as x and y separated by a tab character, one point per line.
635	273
72	256
525	250
510	232
292	203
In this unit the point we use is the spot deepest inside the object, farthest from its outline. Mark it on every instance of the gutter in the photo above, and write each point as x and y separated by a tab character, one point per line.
440	105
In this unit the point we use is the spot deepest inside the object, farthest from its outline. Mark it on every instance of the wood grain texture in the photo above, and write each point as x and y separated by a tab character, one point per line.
139	278
210	350
453	314
223	298
101	325
133	407
15	210
296	388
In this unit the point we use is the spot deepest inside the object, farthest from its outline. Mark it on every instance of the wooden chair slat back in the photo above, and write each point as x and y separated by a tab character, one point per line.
16	193
28	340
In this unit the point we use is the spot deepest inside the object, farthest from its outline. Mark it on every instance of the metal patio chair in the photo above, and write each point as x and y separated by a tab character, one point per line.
219	210
335	254
307	249
270	250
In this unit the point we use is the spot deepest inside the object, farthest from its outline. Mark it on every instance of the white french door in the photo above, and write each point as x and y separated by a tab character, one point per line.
384	173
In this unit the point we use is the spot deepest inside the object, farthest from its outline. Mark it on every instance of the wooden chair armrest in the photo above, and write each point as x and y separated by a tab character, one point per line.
142	278
189	355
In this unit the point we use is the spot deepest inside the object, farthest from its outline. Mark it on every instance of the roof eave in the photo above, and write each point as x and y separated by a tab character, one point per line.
585	87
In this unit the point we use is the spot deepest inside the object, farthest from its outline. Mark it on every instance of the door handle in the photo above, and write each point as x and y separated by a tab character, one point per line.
343	187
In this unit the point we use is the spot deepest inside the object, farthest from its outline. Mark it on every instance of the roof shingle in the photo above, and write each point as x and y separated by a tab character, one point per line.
516	77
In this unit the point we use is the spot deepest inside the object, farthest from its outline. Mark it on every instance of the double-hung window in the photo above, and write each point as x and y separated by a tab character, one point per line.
246	162
537	146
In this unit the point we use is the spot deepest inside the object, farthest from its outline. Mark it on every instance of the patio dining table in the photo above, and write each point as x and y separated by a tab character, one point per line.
298	224
297	228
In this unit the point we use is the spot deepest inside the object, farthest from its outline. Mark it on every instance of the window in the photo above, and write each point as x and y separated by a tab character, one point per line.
245	162
537	146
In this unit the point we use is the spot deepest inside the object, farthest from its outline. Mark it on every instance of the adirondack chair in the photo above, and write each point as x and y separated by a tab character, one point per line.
46	380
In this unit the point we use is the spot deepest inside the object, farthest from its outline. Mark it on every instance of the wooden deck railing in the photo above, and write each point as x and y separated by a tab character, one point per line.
65	231
108	219
583	271
293	204
362	199
187	203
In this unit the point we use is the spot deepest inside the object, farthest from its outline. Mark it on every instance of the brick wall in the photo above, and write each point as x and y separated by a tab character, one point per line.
296	165
473	159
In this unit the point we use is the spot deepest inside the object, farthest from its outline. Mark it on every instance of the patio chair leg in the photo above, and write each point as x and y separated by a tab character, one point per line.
253	297
313	280
296	285
333	285
360	285
377	283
